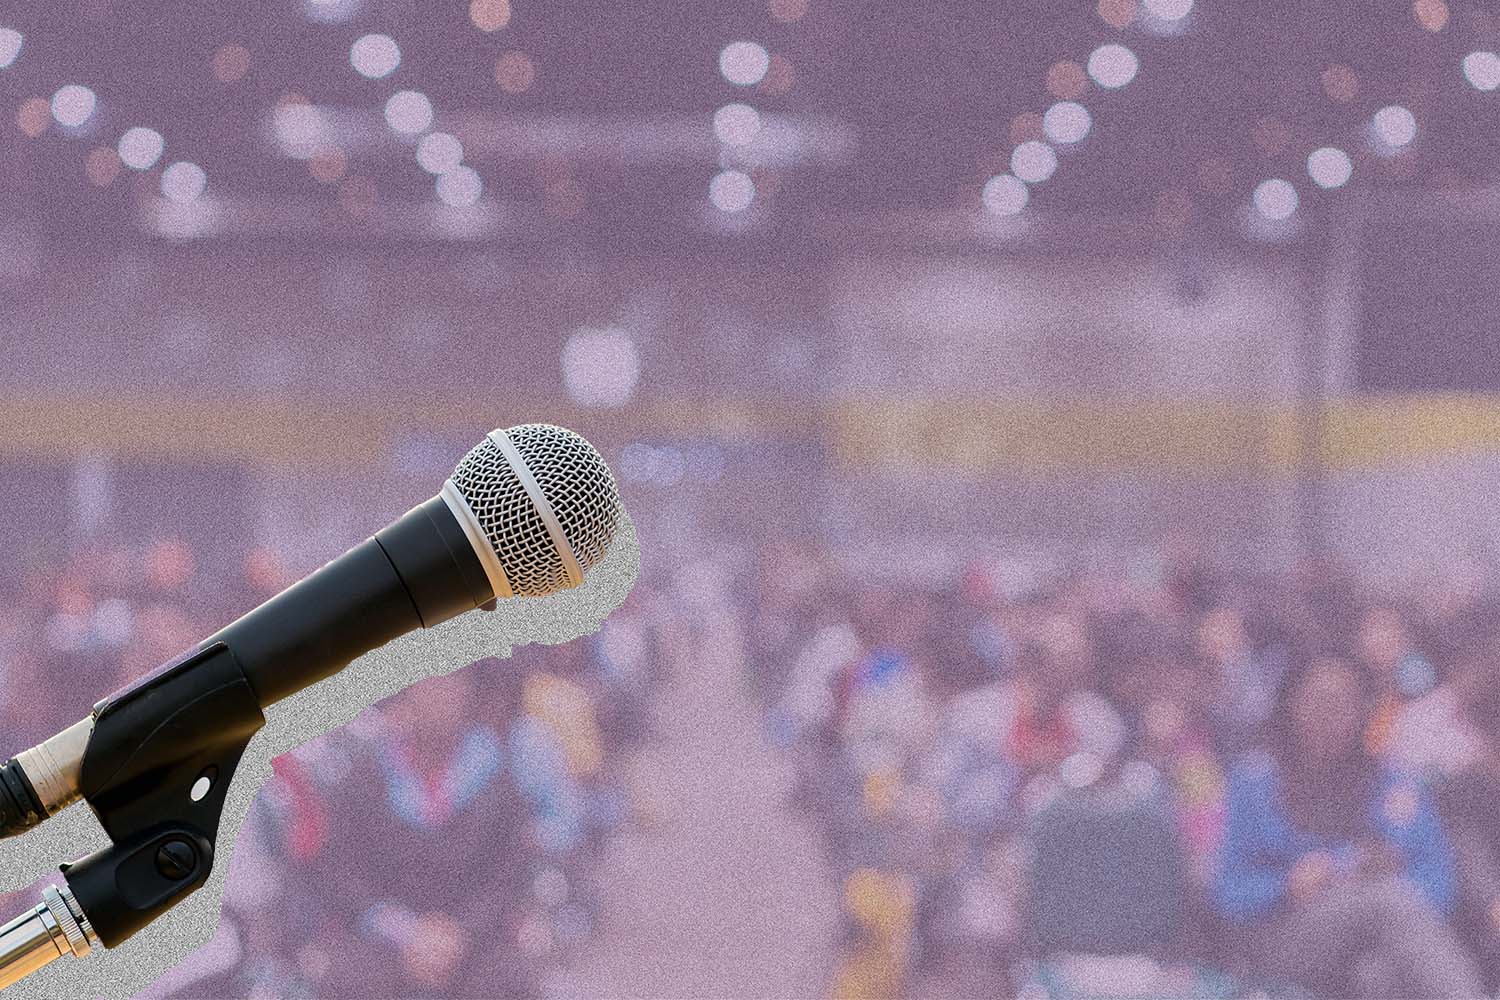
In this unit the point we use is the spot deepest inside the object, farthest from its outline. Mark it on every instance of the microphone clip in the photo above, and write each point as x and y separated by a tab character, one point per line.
156	771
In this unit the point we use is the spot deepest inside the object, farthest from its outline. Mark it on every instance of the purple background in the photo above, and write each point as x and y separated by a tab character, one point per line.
1007	490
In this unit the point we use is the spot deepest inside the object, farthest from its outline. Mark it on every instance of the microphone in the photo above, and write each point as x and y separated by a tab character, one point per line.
526	513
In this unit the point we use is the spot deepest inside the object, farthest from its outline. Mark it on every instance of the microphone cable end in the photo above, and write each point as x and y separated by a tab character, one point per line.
20	809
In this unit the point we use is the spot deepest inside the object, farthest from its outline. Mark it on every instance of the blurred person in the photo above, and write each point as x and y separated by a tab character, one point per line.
1402	674
991	739
884	718
887	711
992	742
1054	708
1150	676
783	600
430	788
555	749
1335	872
554	692
807	698
1109	901
876	964
1244	678
1453	734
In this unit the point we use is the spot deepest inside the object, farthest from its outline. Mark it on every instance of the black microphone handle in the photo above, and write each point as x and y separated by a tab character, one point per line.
415	573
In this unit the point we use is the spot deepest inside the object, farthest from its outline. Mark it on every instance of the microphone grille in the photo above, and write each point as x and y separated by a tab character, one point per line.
574	482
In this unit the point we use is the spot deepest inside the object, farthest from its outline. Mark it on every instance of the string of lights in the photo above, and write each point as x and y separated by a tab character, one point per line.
1040	142
737	125
1039	139
1111	66
75	110
305	131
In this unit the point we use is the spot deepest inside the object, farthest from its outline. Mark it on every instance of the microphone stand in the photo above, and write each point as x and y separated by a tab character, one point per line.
156	770
56	927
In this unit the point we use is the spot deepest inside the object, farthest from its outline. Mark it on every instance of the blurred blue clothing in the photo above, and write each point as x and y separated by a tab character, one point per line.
1261	845
881	667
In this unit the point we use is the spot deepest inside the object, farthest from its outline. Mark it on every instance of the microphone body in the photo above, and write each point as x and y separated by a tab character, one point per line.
526	512
415	573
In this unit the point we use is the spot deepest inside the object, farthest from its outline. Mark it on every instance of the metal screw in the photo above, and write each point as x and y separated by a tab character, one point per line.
176	859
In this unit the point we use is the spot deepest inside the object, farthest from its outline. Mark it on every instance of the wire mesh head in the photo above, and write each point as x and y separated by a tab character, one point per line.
577	487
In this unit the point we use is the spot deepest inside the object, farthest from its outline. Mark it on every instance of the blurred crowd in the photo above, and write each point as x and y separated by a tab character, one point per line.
1143	775
446	839
1147	774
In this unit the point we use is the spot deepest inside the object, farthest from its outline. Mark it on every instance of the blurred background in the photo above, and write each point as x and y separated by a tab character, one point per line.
1060	438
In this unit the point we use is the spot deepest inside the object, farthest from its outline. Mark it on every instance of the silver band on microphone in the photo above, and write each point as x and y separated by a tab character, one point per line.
543	508
488	558
55	766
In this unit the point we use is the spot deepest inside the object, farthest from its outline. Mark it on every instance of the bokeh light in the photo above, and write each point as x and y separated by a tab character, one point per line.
102	166
600	367
328	165
1067	122
1117	13
515	72
667	466
375	56
32	116
459	187
331	11
731	191
73	104
1033	162
408	112
230	63
1173	209
1169	10
1329	167
1394	126
183	182
744	63
1112	66
489	15
300	129
1066	80
1005	194
781	76
787	11
140	148
1340	83
1270	135
1215	175
736	124
563	198
1276	199
11	41
1432	15
1025	126
357	196
439	152
1482	70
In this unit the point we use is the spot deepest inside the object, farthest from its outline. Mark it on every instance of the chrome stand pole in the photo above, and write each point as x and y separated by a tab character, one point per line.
56	927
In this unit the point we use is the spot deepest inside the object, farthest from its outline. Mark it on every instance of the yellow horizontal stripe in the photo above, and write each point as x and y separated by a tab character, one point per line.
964	435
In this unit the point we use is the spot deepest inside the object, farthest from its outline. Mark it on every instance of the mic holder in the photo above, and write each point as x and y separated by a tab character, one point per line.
156	770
